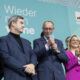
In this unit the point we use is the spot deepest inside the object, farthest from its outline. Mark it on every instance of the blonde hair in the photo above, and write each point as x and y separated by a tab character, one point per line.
69	46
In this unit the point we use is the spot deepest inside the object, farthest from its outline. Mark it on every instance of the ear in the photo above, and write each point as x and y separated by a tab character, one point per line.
13	23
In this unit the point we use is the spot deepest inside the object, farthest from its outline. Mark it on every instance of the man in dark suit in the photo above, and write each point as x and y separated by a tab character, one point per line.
16	52
50	54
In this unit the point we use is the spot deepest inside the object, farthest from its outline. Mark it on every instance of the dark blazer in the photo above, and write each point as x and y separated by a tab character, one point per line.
49	62
1	68
14	59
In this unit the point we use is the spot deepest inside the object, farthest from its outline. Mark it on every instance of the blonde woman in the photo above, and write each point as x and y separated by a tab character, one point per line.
73	65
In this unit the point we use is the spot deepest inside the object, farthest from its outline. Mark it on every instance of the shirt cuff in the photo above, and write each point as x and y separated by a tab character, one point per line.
79	60
47	48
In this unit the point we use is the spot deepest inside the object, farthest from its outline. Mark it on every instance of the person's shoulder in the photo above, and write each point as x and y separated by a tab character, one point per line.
38	39
58	40
3	37
26	40
68	53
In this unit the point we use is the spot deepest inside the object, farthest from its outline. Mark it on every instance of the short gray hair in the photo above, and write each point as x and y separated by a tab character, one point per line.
14	19
47	21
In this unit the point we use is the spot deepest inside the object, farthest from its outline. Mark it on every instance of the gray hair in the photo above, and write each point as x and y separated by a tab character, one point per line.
47	21
14	19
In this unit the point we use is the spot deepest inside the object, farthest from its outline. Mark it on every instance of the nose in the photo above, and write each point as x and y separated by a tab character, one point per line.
48	30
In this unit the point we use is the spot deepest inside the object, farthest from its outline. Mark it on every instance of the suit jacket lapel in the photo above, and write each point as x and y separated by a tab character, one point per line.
24	45
43	40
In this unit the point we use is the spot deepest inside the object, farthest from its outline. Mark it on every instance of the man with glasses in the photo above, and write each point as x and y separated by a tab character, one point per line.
50	54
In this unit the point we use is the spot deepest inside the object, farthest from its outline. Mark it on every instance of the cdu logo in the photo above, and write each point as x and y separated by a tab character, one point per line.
77	15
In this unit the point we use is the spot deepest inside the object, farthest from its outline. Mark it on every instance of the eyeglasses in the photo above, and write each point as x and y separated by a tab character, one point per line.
48	29
74	40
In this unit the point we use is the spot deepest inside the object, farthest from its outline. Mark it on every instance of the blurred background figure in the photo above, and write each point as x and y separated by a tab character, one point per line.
67	42
42	34
73	65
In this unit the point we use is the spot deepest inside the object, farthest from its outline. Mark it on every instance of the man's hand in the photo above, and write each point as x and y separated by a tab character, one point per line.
50	41
54	46
30	68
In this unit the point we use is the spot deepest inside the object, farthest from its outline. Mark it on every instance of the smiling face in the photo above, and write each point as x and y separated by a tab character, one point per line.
74	42
48	28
